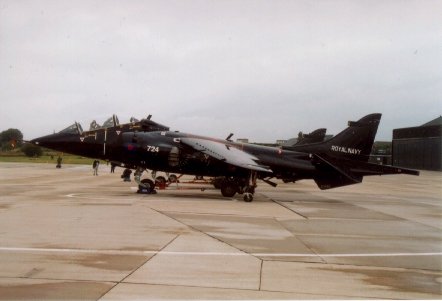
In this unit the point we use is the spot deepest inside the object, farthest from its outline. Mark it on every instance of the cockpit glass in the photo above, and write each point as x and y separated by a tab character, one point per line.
73	129
108	123
111	122
94	126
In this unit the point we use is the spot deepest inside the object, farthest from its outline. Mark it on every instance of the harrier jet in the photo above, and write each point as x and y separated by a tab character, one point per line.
315	136
140	145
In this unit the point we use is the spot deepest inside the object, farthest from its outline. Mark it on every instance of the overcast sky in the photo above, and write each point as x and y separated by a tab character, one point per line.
260	69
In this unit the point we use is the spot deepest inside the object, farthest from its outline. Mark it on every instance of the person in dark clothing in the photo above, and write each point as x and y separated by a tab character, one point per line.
59	159
95	167
126	175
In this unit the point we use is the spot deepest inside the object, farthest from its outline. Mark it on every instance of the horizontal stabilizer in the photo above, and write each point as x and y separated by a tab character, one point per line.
341	172
376	169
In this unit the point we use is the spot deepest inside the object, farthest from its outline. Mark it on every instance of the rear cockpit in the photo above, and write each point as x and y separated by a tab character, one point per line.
73	129
109	123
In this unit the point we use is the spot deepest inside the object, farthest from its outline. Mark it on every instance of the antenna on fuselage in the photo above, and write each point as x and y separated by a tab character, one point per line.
230	136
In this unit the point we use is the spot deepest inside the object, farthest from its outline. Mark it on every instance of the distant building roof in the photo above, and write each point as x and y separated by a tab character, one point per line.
242	140
281	142
437	121
432	128
291	142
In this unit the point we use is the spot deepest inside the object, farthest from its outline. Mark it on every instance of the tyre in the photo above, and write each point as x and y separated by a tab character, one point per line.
248	197
160	180
150	186
173	178
218	182
228	190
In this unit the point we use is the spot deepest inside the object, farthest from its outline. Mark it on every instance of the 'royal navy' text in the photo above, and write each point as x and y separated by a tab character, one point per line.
346	150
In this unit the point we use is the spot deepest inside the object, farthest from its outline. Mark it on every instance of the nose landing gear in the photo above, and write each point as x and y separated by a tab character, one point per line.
146	185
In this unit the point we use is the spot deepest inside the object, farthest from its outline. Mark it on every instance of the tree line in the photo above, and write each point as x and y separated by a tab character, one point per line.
12	139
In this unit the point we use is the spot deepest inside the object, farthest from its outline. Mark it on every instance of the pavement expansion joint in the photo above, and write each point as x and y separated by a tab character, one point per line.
70	234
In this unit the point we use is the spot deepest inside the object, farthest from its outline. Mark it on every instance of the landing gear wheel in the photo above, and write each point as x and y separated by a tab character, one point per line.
149	186
160	182
228	190
160	179
248	197
250	188
173	178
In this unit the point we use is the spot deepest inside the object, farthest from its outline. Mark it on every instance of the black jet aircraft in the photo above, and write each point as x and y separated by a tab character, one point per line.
315	136
339	161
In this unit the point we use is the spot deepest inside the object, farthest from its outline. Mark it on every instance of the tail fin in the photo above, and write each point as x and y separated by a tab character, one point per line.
354	143
343	159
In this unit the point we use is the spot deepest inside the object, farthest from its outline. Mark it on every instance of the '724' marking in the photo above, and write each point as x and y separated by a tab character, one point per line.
152	149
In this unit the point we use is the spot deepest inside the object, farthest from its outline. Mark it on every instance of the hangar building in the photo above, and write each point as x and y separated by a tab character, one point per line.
419	147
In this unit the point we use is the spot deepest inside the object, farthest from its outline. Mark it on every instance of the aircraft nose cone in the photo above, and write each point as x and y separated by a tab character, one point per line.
41	141
47	141
35	141
63	142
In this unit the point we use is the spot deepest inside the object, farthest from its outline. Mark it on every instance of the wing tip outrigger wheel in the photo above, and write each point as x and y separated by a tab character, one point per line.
251	185
248	197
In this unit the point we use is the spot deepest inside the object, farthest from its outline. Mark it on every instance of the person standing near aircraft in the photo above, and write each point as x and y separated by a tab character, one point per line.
126	175
59	159
95	167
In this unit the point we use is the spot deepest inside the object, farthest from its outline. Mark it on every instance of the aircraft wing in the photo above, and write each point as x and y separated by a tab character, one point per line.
226	153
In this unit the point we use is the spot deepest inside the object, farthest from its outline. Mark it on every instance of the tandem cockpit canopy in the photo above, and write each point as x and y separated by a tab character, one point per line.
76	128
145	124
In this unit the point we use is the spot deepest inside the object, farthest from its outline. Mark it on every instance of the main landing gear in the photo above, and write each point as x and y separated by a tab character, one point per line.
230	186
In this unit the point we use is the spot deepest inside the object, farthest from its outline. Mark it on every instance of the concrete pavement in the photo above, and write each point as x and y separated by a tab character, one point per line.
65	234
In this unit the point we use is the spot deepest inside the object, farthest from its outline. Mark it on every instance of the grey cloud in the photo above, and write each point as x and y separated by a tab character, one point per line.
262	69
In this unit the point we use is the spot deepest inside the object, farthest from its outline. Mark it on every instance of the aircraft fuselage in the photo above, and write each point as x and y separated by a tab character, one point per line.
339	161
162	151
